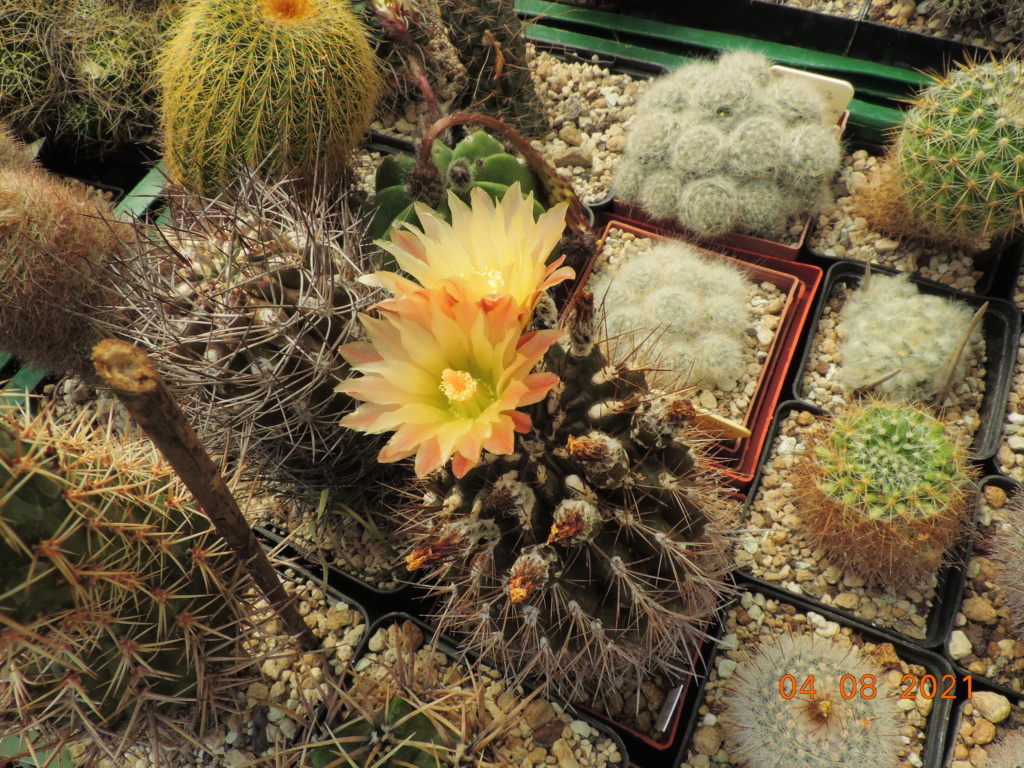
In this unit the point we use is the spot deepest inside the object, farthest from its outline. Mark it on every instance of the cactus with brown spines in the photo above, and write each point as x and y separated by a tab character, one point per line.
591	556
120	603
488	36
887	488
57	244
242	303
284	86
1007	556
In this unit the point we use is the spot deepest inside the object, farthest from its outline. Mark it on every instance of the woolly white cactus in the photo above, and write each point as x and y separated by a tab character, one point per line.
692	310
891	326
729	147
766	709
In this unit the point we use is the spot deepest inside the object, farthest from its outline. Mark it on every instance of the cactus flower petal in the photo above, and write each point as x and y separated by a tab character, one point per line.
488	251
446	377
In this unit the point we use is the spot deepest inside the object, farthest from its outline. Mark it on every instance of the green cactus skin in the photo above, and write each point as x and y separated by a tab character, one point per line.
287	86
589	557
117	594
488	36
479	160
958	159
805	730
242	304
727	146
887	491
689	308
57	243
892	325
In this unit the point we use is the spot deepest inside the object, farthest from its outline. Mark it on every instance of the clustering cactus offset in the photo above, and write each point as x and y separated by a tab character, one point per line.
488	36
688	311
729	147
478	161
764	729
888	326
287	86
242	303
886	491
57	243
955	170
119	601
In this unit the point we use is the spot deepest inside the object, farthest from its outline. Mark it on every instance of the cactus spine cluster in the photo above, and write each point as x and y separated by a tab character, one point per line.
57	243
1007	15
286	86
488	36
887	489
957	164
763	728
889	325
690	308
1008	753
590	556
478	161
29	83
729	147
242	303
118	598
1008	555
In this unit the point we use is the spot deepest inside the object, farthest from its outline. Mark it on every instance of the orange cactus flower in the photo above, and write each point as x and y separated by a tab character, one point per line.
446	376
489	250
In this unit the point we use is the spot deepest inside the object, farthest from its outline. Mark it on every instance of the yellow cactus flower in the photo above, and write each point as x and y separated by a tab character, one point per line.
446	376
489	250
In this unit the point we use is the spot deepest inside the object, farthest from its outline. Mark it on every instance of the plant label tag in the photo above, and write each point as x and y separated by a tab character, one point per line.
837	93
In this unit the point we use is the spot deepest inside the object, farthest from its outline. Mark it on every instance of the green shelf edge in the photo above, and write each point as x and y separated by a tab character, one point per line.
142	195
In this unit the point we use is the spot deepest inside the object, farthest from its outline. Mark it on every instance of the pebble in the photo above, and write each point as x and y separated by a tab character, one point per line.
979	609
959	644
994	707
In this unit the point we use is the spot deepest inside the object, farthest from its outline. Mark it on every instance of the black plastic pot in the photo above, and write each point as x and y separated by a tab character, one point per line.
1000	328
935	730
960	587
453	651
944	606
910	50
377	602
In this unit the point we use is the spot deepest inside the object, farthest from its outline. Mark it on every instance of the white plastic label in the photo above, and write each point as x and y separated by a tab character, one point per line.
837	93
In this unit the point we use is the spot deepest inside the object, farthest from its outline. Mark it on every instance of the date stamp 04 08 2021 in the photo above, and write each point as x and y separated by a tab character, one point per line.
927	686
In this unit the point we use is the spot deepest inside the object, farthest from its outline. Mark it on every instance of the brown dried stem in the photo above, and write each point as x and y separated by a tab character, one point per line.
130	374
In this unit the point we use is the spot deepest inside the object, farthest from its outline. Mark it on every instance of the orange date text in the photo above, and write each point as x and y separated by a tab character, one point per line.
866	687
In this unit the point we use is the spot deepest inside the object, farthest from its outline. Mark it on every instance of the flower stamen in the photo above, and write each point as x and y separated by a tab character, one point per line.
458	386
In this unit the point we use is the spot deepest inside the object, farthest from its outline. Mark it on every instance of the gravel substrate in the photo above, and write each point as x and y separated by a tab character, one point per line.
543	734
986	720
772	546
767	302
1010	456
921	17
851	9
758	617
818	384
984	640
838	231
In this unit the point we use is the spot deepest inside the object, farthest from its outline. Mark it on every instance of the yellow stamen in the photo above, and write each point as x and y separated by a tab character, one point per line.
458	386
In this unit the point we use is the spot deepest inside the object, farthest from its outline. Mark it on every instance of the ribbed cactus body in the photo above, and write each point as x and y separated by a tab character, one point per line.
478	161
488	36
589	556
958	160
117	594
887	491
288	86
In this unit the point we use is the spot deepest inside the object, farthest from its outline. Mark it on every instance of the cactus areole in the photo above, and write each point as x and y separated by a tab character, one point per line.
587	557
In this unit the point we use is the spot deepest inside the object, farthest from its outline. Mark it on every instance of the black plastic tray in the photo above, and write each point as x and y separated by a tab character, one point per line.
1000	328
935	730
943	611
956	597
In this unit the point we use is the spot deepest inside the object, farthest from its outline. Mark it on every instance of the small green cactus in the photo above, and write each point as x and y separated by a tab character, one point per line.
285	86
117	592
808	730
590	556
57	243
890	326
690	309
958	160
887	489
29	79
479	160
729	147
